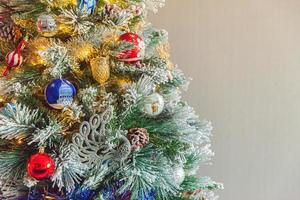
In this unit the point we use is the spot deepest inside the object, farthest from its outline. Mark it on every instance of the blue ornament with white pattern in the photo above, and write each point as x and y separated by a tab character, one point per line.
60	93
87	6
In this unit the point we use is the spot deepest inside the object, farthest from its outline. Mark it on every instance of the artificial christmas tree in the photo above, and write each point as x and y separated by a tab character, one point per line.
91	106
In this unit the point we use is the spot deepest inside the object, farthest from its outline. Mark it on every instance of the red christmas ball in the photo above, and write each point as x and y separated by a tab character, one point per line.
137	52
40	166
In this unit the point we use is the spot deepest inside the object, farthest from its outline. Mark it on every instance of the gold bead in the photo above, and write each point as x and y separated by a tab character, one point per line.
46	197
20	141
100	69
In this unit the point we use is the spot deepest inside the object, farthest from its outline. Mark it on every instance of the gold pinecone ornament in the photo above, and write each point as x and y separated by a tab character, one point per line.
9	32
100	69
138	137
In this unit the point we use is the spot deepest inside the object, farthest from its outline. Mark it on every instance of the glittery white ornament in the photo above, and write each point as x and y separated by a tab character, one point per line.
153	105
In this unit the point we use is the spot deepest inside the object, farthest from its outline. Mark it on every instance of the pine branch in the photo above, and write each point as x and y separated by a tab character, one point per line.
143	173
113	15
12	165
9	189
192	183
28	77
178	81
194	157
23	8
69	171
151	5
97	176
152	38
133	95
18	121
41	136
58	59
155	67
77	19
88	96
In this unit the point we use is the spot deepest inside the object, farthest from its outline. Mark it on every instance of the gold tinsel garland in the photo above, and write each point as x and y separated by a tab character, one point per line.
36	46
62	3
80	50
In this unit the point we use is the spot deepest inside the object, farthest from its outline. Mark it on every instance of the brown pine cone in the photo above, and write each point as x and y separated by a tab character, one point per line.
9	32
138	137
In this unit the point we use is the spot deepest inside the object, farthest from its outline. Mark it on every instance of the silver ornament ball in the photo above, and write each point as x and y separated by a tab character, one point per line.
46	24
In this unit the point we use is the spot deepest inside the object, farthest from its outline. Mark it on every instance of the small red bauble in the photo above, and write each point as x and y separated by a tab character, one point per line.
137	52
40	166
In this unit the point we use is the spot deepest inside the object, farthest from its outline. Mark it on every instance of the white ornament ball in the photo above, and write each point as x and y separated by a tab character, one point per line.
153	105
179	175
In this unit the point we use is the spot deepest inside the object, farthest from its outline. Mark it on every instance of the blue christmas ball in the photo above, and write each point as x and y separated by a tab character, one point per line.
60	93
87	6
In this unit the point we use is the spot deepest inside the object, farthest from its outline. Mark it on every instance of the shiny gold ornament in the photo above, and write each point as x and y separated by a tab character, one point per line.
100	69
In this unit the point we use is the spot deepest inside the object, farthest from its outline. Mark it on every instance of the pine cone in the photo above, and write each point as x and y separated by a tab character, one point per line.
9	32
138	137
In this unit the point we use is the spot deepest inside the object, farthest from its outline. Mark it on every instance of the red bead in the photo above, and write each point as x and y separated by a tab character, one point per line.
137	52
40	166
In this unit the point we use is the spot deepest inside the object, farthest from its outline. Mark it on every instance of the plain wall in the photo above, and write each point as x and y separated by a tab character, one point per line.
244	57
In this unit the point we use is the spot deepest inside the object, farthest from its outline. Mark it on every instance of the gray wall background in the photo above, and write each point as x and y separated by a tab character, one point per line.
244	56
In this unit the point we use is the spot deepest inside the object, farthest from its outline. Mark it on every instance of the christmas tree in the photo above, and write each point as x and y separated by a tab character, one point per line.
91	106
